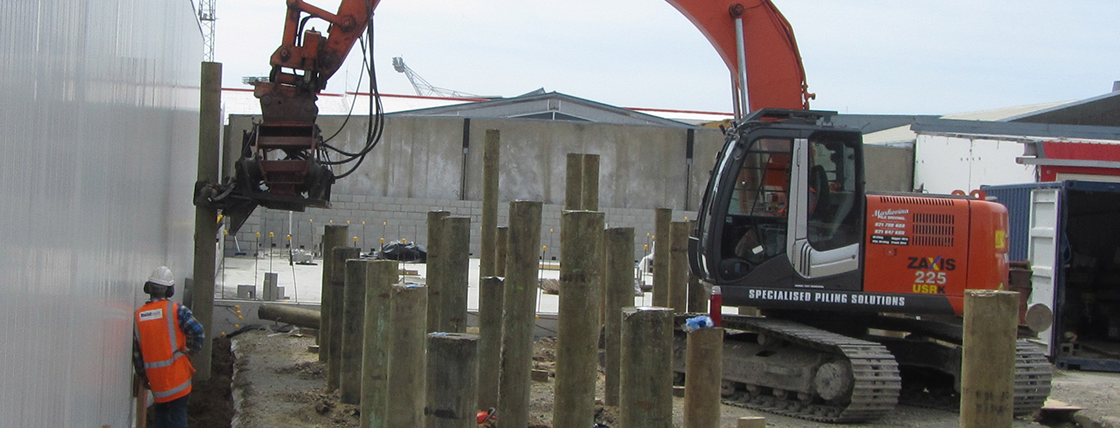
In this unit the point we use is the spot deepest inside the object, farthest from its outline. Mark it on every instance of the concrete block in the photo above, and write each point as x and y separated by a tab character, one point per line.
269	292
246	291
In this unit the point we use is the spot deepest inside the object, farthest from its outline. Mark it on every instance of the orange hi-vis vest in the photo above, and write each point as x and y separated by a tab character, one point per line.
169	370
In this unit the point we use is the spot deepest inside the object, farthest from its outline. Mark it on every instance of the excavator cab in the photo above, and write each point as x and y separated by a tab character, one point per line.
784	205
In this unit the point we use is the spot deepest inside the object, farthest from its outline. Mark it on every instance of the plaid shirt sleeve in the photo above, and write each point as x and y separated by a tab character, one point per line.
138	360
192	329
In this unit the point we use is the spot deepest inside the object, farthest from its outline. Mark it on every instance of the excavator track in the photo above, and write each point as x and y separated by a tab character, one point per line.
1032	377
1032	384
875	379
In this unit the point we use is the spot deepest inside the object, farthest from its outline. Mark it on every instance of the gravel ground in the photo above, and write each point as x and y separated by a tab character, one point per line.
1098	393
278	383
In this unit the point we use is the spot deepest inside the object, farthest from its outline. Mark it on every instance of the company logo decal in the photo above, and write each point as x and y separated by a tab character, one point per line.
891	214
932	263
827	297
153	314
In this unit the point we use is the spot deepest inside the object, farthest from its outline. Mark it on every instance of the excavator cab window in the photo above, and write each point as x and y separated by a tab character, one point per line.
755	220
780	189
832	194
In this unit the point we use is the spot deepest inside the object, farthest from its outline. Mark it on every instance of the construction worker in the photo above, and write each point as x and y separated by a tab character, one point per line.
166	335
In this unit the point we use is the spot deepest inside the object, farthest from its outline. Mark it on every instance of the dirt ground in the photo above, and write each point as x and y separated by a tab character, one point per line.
210	404
278	382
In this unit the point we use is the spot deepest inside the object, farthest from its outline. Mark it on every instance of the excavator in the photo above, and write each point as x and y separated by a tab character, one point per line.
785	225
860	295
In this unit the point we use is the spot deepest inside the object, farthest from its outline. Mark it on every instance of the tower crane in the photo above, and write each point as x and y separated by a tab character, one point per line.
422	87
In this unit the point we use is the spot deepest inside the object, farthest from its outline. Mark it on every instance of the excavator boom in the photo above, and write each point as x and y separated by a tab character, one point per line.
773	71
280	165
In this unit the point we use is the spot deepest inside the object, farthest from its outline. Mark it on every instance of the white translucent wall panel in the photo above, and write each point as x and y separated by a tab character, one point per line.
98	138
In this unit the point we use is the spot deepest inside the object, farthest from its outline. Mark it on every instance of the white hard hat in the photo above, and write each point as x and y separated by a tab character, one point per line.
162	276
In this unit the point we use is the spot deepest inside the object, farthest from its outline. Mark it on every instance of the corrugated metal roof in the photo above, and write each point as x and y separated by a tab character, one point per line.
548	106
1004	113
241	101
1103	110
1051	120
1015	129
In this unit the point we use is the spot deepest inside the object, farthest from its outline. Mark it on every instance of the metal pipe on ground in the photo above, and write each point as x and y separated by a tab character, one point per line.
334	235
578	333
646	381
293	315
661	243
406	355
703	377
988	358
519	314
456	272
353	318
205	223
490	295
434	268
490	157
678	266
619	294
339	256
380	278
452	380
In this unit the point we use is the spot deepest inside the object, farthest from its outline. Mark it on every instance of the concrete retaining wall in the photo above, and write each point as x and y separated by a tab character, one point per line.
425	163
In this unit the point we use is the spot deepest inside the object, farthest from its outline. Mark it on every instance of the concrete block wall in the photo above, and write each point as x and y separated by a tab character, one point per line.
406	218
441	158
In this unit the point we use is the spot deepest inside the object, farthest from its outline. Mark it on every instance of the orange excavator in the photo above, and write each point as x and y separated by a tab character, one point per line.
785	225
860	295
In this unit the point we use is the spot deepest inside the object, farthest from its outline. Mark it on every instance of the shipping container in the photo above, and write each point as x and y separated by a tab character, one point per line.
1069	231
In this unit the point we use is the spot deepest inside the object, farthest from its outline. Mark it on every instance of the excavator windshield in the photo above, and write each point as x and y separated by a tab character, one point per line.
772	192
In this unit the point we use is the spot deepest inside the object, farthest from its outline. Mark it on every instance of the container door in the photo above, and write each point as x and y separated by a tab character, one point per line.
1043	252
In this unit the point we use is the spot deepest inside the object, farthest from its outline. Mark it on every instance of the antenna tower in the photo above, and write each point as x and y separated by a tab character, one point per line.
206	18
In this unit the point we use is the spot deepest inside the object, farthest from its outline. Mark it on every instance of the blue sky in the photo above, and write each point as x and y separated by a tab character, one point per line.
861	56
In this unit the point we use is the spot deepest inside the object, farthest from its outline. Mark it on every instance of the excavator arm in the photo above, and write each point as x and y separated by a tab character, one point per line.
756	43
280	165
306	59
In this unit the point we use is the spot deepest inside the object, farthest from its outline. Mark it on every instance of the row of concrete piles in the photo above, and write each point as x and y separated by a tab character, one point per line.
379	336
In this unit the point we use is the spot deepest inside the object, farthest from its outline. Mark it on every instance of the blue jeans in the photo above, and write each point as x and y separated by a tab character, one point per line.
172	414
